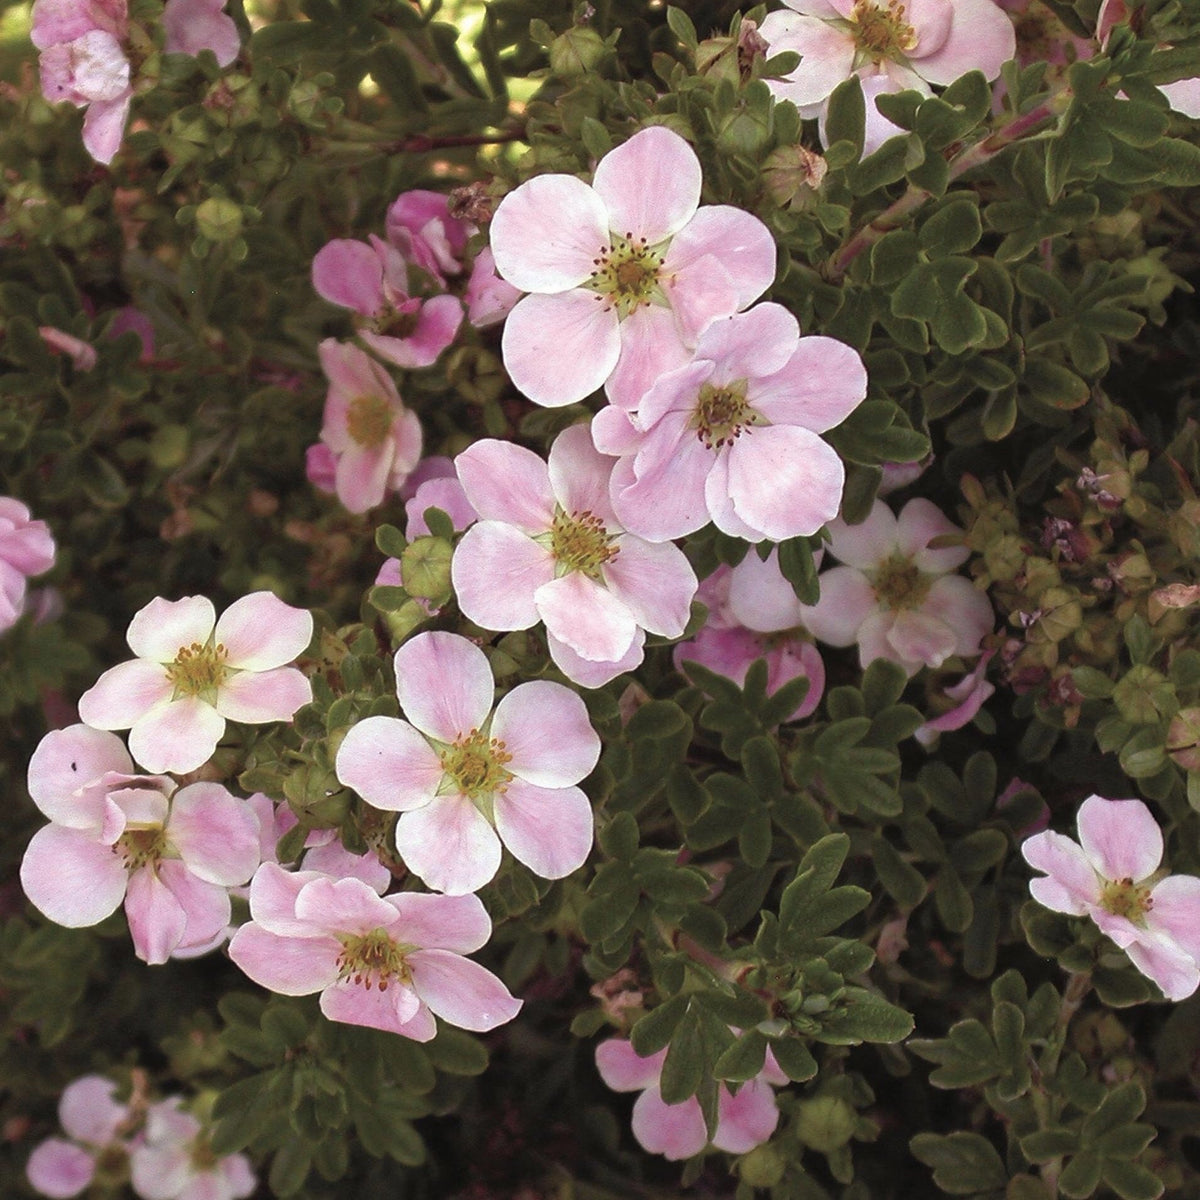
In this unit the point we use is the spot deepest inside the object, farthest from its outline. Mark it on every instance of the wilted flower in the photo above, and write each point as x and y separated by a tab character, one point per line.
26	550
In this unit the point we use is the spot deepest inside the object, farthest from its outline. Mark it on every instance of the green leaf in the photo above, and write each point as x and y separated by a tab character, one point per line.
744	1059
1176	162
794	1059
953	229
682	27
653	1031
846	115
962	1162
456	1052
684	1067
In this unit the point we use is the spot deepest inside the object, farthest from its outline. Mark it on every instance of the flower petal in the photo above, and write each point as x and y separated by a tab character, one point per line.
206	908
343	905
1175	911
444	684
579	474
784	481
160	629
1070	885
286	965
508	483
65	762
594	674
586	616
650	184
389	764
215	833
847	599
60	1169
260	632
89	1112
1120	837
178	736
449	845
675	1131
547	233
72	878
751	345
389	1009
747	1119
1176	973
980	38
495	572
156	919
461	991
660	494
623	1069
655	582
959	604
918	524
868	543
458	923
818	387
350	274
259	697
826	50
547	734
761	598
558	349
548	829
918	638
124	694
651	344
738	241
104	126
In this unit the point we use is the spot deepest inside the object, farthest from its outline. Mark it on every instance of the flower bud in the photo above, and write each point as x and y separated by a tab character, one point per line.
219	219
763	1167
826	1123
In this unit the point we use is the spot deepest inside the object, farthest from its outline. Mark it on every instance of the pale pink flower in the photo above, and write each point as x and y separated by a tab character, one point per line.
677	1131
754	613
466	778
966	696
26	550
732	437
548	547
92	1118
374	439
194	25
896	596
174	1161
193	672
1184	94
372	281
489	298
387	962
1113	875
891	46
420	226
83	62
624	275
116	836
83	356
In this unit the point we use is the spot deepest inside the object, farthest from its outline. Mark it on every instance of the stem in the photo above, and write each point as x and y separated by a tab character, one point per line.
981	152
420	143
1077	988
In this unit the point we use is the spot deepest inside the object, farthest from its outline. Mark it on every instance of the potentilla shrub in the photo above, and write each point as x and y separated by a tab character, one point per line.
599	601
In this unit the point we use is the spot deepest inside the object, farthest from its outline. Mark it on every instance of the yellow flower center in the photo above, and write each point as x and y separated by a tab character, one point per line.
1124	898
882	32
627	274
392	323
722	413
899	583
199	670
580	541
475	763
369	420
141	847
373	959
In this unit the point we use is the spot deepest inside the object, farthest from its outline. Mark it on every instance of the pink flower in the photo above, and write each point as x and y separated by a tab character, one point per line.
466	779
374	439
489	298
732	436
549	547
895	596
92	1118
194	25
1184	94
1112	875
624	274
754	613
193	672
890	46
440	492
390	962
320	467
677	1131
119	836
174	1161
26	549
83	61
372	280
967	697
82	355
132	320
420	226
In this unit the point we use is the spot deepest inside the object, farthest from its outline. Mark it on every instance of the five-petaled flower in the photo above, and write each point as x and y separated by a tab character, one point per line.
465	778
549	547
1112	874
93	1119
387	962
192	672
624	274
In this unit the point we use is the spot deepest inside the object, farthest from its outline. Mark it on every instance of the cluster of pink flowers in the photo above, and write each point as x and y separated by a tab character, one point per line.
85	61
161	1150
1113	875
26	549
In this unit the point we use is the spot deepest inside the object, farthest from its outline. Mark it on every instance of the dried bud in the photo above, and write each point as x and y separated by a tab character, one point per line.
793	174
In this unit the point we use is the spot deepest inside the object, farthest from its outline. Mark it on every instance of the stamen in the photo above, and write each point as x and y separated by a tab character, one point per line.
198	670
882	32
627	275
373	960
1124	898
900	584
476	765
369	420
722	414
580	541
